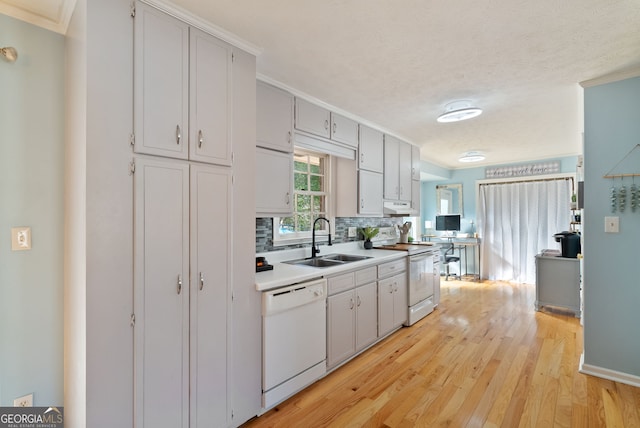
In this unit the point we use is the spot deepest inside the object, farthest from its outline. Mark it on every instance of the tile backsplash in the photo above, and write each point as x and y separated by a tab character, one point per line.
264	230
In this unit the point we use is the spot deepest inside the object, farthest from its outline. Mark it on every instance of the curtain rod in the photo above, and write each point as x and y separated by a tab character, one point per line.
526	181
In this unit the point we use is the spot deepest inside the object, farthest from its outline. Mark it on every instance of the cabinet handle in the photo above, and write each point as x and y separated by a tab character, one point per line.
178	134
391	289
335	126
326	124
361	157
289	137
287	199
179	283
359	302
200	139
351	303
201	281
361	203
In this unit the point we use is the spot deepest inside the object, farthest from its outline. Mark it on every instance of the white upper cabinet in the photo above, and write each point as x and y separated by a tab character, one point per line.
371	150
161	85
210	99
274	183
344	130
370	193
182	90
397	169
274	118
312	118
415	163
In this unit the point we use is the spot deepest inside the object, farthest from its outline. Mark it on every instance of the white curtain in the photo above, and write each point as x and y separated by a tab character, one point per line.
518	220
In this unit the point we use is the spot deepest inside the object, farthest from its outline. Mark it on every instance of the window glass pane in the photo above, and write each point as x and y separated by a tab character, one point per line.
303	203
316	183
287	225
303	222
300	163
317	204
300	181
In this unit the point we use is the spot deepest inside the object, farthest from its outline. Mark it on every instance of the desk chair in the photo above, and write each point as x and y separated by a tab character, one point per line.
448	259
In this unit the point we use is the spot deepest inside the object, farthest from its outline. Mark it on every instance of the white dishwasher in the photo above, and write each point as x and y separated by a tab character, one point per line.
294	339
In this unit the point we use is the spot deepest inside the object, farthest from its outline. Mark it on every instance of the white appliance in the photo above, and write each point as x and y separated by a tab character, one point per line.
423	276
294	339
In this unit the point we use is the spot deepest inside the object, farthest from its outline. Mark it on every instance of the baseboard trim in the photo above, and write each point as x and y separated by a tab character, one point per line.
609	374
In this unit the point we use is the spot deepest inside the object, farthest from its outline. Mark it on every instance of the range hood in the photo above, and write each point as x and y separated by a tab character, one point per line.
398	209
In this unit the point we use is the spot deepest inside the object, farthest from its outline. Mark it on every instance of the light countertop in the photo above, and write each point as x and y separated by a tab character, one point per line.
286	274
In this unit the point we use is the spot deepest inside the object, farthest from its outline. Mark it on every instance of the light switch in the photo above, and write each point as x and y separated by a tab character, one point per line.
612	224
20	238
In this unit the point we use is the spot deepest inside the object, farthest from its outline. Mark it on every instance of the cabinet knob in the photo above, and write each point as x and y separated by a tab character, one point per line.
178	134
200	139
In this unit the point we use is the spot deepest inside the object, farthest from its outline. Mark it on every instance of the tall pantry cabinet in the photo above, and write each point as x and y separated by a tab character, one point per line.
184	217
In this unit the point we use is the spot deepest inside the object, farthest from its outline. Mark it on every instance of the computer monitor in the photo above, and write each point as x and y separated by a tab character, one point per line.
449	222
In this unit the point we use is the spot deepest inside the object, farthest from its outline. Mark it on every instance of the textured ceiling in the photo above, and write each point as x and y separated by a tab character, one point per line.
397	64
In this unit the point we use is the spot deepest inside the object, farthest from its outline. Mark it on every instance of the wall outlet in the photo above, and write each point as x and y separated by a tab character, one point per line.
24	401
353	232
20	238
612	224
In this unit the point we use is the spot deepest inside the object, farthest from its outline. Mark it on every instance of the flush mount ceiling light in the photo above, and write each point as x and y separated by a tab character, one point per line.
473	156
11	54
459	110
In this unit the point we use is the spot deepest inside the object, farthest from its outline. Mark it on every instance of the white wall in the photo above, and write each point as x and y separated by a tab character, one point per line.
31	192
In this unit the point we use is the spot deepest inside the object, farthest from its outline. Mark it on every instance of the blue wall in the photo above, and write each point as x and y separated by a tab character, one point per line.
31	188
611	274
468	178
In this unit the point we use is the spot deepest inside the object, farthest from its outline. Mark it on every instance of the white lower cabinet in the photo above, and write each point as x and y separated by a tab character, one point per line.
352	317
392	303
182	294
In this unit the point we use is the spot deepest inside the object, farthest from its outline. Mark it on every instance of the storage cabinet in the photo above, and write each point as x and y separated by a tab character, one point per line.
358	193
274	118
371	150
178	212
415	196
558	283
319	121
392	296
182	100
274	183
397	169
415	163
351	314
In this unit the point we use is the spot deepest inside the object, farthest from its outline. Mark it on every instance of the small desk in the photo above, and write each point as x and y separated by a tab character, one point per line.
463	245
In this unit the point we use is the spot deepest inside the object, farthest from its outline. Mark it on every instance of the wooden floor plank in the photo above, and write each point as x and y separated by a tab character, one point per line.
483	358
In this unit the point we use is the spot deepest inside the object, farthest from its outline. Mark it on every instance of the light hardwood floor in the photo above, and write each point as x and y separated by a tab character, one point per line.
484	358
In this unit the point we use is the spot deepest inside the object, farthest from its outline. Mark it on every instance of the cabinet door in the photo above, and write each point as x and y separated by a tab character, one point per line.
385	305
366	315
161	293
400	302
210	292
344	130
370	186
210	99
161	83
274	183
312	118
274	118
415	196
415	163
371	149
404	169
391	164
340	327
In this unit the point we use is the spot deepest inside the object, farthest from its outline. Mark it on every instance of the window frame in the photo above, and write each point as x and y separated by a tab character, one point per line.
305	237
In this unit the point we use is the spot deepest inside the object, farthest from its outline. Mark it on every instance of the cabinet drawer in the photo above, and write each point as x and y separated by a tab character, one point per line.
340	283
366	276
391	268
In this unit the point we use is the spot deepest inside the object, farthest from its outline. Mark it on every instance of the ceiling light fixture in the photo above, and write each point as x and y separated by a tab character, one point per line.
473	156
459	110
11	54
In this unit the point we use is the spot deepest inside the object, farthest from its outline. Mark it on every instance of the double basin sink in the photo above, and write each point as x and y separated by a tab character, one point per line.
328	260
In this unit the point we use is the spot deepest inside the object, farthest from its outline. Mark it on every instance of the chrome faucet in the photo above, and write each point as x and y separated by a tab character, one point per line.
314	249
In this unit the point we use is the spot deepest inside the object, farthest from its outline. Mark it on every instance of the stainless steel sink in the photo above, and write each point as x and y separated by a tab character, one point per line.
346	257
328	260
